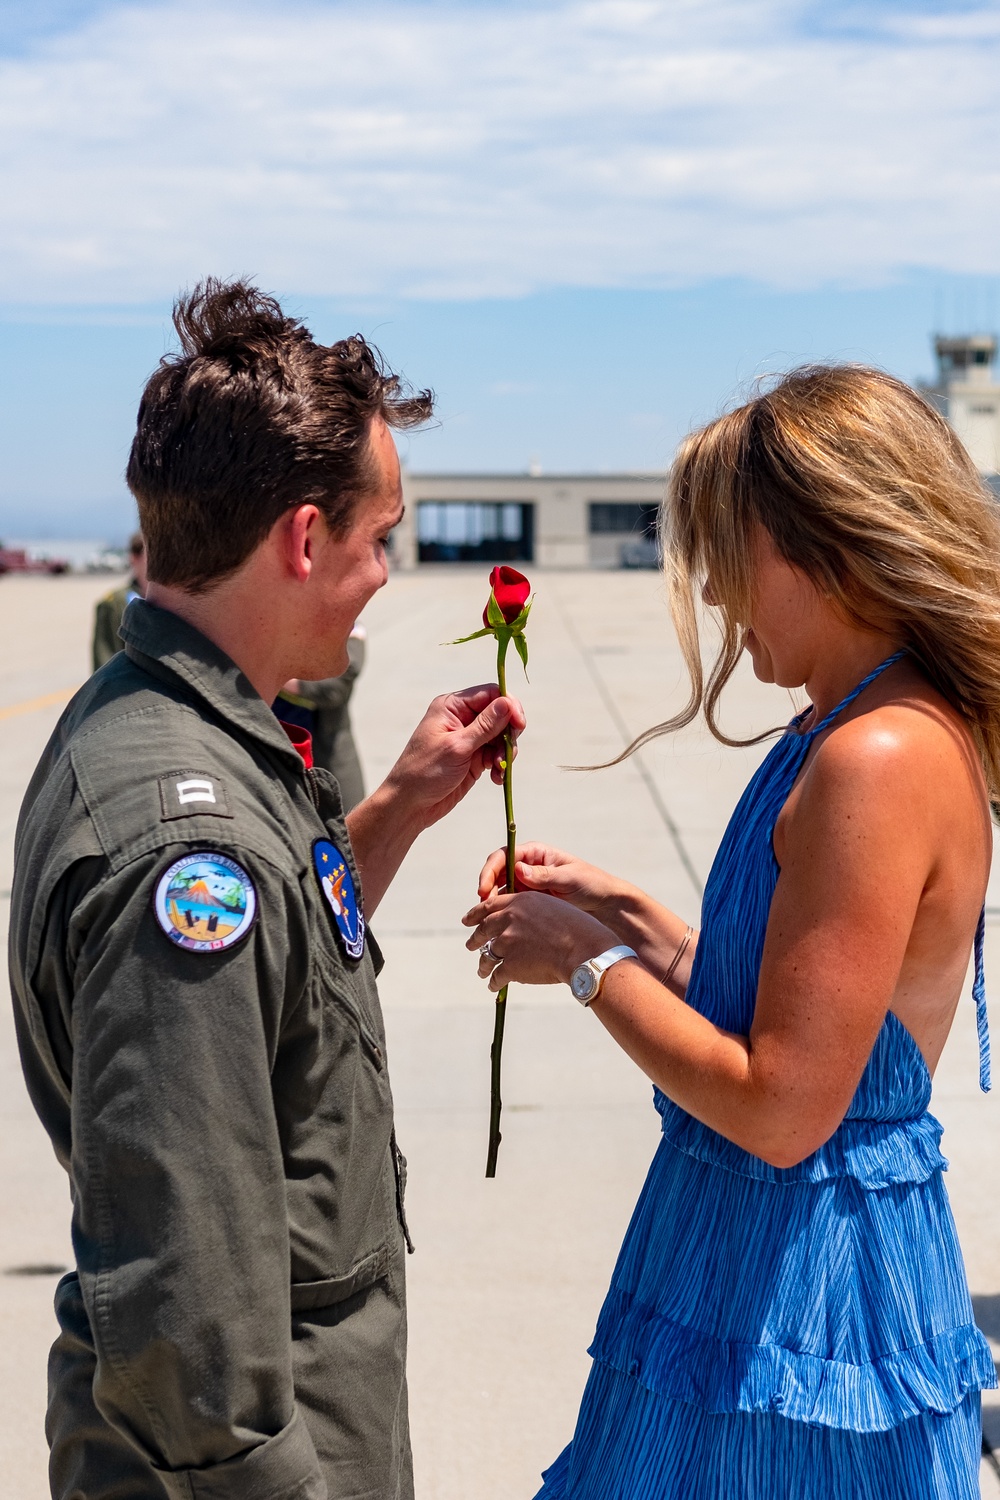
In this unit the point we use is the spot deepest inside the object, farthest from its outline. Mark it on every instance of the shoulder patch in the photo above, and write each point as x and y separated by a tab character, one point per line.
205	902
334	876
191	794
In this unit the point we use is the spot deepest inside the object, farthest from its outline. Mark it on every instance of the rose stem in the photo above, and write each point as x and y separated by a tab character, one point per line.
496	1050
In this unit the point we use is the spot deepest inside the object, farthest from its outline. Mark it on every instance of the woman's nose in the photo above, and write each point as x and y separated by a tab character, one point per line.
708	593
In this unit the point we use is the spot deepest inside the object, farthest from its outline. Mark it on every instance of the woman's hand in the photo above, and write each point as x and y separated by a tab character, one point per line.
627	913
535	939
550	872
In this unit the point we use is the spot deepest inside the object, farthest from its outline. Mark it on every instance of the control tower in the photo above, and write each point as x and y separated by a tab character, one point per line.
967	394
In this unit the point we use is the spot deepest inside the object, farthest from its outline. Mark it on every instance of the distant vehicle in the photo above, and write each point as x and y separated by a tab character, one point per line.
16	560
641	552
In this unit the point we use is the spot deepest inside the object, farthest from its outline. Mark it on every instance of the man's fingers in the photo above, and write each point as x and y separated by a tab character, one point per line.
489	725
468	703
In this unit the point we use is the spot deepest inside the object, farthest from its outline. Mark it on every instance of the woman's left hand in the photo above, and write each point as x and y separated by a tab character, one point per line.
534	939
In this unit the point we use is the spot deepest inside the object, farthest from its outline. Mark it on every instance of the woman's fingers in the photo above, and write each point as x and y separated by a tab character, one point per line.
488	918
487	963
496	980
529	857
532	938
493	873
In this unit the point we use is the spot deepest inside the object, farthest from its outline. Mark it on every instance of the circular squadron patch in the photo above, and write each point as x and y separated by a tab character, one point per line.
205	902
335	881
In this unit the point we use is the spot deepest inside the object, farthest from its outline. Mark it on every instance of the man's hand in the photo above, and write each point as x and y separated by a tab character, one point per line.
459	737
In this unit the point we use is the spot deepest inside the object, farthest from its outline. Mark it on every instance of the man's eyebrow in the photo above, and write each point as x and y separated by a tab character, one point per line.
402	513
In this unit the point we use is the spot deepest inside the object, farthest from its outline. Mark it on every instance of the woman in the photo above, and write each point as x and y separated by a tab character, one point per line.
789	1314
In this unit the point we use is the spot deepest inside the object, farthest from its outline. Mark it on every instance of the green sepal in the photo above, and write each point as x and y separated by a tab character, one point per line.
521	646
516	626
494	613
463	638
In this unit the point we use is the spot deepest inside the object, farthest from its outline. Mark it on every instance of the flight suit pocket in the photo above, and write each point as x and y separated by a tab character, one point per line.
399	1168
309	1295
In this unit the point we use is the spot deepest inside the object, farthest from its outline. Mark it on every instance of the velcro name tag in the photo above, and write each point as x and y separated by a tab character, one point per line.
192	794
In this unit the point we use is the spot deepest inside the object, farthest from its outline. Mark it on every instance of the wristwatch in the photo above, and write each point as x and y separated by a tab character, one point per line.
586	980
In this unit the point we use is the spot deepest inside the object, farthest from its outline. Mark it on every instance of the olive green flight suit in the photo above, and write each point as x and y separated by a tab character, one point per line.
235	1328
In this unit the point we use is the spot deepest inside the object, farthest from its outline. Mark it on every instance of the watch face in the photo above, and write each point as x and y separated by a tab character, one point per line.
583	982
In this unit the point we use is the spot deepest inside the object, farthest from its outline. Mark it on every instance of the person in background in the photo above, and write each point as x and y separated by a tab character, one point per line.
110	609
321	708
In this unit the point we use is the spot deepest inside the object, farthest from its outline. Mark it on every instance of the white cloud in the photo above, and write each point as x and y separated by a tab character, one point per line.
470	150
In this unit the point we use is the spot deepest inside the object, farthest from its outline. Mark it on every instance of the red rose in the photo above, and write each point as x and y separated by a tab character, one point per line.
510	590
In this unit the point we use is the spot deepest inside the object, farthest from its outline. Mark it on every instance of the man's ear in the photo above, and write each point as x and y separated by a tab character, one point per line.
299	531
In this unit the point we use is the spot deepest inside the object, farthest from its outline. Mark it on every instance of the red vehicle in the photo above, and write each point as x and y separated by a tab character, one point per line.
16	560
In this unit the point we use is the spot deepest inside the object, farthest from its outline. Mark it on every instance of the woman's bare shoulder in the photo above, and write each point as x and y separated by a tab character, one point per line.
908	754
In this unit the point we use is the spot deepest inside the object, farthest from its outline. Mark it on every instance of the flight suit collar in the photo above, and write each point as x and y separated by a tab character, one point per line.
162	642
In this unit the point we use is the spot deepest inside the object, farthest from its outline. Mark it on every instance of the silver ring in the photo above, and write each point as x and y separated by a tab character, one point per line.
486	951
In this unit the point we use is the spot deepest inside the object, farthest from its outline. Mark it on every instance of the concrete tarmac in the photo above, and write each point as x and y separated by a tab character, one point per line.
508	1275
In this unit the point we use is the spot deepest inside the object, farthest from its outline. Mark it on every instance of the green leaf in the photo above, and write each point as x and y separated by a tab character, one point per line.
494	613
463	638
521	646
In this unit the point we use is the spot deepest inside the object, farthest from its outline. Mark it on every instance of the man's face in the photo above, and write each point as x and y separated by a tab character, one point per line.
349	569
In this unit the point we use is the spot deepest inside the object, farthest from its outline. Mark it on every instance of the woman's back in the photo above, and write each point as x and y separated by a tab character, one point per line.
902	731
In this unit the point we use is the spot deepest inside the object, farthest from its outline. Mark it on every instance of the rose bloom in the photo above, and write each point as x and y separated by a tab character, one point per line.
510	590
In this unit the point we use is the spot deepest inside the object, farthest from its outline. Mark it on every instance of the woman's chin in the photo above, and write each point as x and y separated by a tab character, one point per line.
762	667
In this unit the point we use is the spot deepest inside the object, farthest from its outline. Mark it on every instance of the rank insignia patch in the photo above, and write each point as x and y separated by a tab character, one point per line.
205	902
335	881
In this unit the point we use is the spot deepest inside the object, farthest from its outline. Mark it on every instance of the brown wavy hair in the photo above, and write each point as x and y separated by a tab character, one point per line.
249	418
865	488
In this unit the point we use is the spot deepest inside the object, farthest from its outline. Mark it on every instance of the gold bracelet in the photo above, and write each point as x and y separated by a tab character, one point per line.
685	940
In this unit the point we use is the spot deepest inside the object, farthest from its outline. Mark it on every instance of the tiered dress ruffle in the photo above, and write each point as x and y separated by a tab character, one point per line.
771	1332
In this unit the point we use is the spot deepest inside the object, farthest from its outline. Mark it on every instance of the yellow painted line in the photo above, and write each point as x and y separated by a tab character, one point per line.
31	704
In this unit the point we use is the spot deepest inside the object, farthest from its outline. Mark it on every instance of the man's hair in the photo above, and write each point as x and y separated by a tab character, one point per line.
250	418
136	544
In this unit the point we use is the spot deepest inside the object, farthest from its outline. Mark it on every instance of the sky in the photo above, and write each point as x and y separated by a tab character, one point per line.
587	225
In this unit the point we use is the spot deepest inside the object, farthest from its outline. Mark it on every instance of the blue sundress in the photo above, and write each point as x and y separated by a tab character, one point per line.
774	1333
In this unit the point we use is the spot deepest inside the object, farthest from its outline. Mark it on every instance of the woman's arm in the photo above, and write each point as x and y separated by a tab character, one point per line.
858	852
659	937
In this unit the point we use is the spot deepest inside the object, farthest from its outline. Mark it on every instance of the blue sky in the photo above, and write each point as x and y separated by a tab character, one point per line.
587	225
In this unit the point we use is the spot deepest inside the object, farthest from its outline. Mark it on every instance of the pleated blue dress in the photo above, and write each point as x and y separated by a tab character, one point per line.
799	1332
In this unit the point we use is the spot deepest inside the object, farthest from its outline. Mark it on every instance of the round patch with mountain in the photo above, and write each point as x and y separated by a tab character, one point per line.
205	902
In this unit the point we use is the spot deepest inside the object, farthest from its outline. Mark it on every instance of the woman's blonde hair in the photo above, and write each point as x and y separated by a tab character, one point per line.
865	488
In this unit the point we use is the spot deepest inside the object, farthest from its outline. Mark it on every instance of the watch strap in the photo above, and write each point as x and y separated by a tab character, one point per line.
610	956
600	965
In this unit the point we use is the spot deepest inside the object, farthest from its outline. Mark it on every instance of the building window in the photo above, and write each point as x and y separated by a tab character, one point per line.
475	531
623	518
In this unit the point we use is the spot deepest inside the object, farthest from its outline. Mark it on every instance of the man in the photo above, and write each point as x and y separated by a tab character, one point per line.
110	610
323	708
193	978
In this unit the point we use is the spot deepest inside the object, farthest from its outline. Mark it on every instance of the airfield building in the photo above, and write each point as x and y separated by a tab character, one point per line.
967	393
609	520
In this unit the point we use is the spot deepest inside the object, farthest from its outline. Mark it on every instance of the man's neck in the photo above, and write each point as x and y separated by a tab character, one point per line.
233	618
